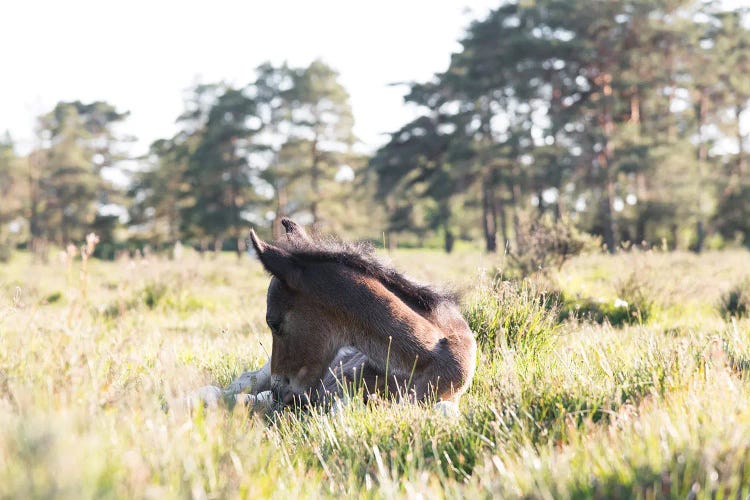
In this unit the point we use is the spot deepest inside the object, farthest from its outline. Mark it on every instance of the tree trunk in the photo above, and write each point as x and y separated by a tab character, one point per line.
234	210
608	221
700	233
640	229
390	236
449	240
315	182
34	230
635	107
281	201
741	160
700	237
559	205
172	224
702	116
540	197
515	200
241	246
671	122
33	201
64	236
605	161
500	208
489	218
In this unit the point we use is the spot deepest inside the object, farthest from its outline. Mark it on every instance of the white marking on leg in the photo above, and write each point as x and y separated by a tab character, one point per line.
447	408
259	402
258	380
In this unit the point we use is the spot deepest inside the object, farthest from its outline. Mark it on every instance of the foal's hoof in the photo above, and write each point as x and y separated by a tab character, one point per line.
208	396
447	408
261	401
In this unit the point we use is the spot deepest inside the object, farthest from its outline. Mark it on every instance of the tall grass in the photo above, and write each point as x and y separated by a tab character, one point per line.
656	408
512	315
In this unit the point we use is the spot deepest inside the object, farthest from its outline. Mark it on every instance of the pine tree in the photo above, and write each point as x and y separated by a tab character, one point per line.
79	142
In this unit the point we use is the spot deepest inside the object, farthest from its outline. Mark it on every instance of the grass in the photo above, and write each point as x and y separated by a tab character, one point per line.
561	407
512	315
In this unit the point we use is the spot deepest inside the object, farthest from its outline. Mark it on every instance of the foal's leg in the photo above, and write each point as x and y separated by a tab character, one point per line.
352	370
257	381
349	372
251	389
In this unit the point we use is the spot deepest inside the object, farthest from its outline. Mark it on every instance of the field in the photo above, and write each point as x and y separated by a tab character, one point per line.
616	376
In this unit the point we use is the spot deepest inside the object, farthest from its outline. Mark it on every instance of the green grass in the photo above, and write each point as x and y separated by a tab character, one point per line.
575	406
512	315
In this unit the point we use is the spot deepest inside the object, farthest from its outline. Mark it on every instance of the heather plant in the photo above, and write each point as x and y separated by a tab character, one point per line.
544	244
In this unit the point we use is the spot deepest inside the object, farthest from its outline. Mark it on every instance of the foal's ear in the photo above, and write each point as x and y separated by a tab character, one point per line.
294	231
277	261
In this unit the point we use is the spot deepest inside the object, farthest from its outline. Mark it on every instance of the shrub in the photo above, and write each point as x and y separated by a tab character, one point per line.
153	293
735	302
544	243
53	297
513	315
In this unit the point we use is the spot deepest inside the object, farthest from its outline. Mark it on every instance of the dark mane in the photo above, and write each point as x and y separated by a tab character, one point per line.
361	257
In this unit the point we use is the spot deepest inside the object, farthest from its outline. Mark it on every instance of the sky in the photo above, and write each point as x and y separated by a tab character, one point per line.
142	55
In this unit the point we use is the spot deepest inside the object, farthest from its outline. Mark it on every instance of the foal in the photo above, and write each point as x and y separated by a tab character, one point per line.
339	316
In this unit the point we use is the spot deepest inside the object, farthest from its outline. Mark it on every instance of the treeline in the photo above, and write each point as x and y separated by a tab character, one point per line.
281	145
621	117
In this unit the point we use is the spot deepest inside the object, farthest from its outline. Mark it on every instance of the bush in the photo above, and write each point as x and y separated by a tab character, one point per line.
736	301
53	297
513	315
544	243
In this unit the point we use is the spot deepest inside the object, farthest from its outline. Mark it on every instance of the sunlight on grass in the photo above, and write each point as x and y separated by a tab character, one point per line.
559	407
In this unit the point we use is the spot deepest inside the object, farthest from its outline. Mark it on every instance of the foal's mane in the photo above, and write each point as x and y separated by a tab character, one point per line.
361	257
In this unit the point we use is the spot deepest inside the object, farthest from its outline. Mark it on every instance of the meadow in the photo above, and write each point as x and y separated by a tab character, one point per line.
614	376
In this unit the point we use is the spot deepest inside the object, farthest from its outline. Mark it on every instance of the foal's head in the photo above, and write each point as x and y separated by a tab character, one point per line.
306	335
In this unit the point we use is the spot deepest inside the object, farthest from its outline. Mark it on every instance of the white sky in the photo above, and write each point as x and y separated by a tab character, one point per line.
142	55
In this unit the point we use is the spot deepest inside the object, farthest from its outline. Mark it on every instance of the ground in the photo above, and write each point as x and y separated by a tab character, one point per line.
94	367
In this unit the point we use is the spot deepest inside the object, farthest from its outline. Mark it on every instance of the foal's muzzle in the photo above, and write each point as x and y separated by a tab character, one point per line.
282	392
